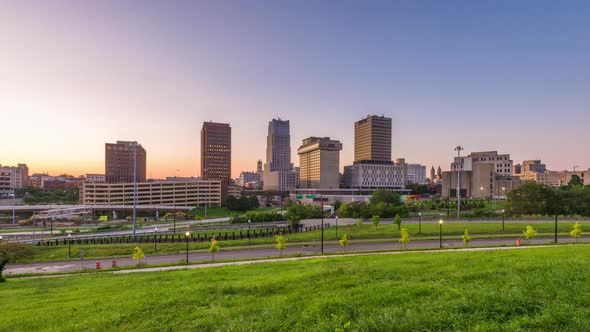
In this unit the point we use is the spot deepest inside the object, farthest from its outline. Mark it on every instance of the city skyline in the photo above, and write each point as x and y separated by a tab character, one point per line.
71	82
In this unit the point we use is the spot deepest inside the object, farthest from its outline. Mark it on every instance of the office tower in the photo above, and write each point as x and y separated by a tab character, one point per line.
216	154
319	162
372	140
119	164
278	169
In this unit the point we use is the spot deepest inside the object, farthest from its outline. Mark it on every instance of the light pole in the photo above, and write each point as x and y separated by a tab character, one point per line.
503	211
458	149
440	223
186	236
134	190
249	238
69	245
14	205
419	222
336	227
322	204
156	239
556	206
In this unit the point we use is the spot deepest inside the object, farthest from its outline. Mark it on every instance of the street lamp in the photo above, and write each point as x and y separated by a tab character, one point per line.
14	206
556	206
186	236
155	239
336	227
322	204
419	222
249	238
134	190
70	245
440	223
503	211
458	149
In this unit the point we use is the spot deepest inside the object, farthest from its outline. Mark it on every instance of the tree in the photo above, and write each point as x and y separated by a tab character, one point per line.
404	237
281	243
16	251
466	238
398	221
575	181
3	263
530	233
376	220
359	224
138	255
576	231
417	189
213	248
385	196
344	241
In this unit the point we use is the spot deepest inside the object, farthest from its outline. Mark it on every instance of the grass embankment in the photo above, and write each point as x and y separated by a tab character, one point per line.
356	233
498	290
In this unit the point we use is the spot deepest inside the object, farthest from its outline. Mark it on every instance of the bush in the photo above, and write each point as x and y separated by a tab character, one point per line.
255	216
16	251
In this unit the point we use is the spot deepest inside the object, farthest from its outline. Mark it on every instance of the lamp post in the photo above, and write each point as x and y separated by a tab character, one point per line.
249	238
134	190
503	211
556	206
69	245
440	223
419	222
186	237
322	204
458	149
336	227
14	206
156	239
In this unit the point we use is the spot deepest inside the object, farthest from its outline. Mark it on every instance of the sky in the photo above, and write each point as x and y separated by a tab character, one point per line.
512	76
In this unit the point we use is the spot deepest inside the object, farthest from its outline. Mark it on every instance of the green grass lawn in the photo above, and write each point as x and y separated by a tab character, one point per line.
516	290
365	232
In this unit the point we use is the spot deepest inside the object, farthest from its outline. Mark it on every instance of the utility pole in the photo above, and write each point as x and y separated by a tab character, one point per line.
134	190
458	149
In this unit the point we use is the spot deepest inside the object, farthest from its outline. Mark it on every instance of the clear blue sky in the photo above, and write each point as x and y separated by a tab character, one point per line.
512	76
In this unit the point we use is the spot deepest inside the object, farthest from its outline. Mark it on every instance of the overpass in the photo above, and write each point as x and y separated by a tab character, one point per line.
140	208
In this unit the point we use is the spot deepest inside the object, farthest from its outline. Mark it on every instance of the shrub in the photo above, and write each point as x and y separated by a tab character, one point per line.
14	252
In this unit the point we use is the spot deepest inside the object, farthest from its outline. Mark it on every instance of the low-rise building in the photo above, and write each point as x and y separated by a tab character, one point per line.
480	182
19	176
417	174
171	193
249	179
95	178
374	176
566	176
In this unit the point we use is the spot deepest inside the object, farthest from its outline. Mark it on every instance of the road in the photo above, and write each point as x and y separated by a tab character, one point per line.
203	256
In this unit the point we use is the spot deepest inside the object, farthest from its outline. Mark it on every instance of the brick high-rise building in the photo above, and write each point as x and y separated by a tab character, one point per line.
216	154
372	140
119	162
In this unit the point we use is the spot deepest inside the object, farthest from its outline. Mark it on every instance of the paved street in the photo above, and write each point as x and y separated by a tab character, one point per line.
203	256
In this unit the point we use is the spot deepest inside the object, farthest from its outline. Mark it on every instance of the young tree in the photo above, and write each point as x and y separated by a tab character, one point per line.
344	241
138	255
576	232
466	238
404	237
530	233
376	220
359	223
281	244
398	221
213	248
16	251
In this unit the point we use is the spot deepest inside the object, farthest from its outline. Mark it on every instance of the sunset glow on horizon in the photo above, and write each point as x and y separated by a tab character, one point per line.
495	76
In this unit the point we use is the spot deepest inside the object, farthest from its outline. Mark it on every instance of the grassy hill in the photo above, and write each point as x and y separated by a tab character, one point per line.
506	290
